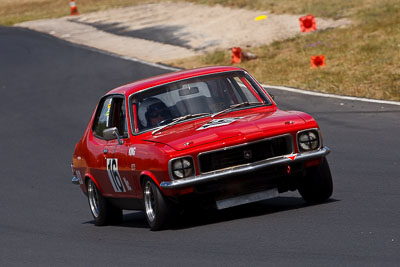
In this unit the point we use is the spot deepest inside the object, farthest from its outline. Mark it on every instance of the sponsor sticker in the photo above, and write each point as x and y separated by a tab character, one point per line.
132	151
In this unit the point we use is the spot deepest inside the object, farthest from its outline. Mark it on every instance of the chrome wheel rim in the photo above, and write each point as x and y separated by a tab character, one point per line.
149	201
93	199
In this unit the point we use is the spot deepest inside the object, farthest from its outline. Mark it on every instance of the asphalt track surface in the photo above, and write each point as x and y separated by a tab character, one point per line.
49	89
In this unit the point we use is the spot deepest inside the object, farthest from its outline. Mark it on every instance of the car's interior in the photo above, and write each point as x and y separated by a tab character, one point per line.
191	97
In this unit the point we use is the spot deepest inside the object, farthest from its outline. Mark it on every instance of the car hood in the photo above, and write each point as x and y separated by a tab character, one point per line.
207	130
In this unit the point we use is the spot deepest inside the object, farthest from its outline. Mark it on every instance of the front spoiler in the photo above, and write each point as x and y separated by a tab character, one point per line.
245	169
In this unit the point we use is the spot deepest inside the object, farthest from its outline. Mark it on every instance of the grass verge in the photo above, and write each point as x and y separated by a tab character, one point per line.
361	60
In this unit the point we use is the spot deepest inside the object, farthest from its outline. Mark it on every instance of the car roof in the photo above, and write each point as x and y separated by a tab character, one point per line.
134	87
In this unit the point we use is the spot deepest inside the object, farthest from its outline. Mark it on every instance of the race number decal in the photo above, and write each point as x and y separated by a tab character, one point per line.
113	174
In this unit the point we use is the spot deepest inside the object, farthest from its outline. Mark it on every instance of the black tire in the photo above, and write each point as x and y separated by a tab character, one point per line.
156	207
103	212
316	186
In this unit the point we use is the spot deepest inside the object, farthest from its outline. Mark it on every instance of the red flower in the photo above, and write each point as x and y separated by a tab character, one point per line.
307	23
317	61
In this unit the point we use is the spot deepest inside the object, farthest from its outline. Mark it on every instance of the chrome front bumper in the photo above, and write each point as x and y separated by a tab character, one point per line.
245	169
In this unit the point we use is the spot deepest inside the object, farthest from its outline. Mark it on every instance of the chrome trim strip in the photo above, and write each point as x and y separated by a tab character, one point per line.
243	169
288	135
75	180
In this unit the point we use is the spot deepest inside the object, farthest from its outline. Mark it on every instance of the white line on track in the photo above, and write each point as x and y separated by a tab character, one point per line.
283	88
305	92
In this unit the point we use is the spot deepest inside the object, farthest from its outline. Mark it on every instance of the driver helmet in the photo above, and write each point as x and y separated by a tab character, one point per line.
150	108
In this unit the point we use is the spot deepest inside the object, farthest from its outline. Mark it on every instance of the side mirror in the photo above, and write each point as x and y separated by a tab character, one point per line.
111	134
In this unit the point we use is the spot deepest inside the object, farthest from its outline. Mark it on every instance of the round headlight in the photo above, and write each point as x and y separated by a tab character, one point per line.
308	141
182	168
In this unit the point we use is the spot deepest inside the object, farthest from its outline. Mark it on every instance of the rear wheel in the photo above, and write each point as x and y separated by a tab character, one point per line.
157	208
103	212
317	185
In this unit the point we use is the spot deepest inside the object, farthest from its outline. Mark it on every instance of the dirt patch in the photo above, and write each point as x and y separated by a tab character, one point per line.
165	31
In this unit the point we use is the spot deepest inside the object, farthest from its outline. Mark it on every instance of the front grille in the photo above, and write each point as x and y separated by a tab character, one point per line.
243	154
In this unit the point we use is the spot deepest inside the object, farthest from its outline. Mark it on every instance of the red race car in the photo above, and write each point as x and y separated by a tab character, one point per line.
211	136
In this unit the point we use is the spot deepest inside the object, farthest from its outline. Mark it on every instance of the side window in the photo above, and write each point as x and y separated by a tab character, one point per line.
111	113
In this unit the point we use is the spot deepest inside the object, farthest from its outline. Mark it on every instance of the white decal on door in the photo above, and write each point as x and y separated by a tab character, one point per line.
127	184
113	174
132	151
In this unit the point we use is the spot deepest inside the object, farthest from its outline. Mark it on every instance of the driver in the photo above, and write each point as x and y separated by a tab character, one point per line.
152	111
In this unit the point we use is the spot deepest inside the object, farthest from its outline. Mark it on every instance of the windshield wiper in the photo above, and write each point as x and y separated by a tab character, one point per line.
232	107
176	120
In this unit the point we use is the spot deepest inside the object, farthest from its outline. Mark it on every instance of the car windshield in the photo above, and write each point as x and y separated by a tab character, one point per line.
195	97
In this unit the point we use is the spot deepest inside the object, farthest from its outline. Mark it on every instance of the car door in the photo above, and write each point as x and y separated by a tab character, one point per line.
116	152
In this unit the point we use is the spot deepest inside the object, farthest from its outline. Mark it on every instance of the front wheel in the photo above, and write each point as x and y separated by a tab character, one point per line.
156	206
317	185
103	212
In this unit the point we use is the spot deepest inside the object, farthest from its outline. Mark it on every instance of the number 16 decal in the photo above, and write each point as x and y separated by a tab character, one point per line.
113	174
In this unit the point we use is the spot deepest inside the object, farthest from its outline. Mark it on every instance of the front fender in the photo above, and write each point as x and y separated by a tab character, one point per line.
150	175
84	185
